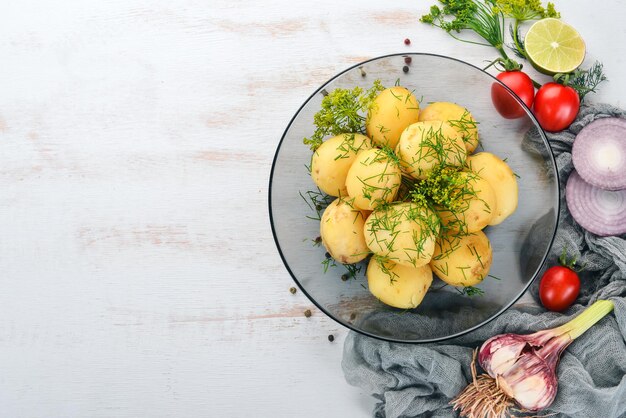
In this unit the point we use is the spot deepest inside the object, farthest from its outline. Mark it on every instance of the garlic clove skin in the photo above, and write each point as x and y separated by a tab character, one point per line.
498	354
531	382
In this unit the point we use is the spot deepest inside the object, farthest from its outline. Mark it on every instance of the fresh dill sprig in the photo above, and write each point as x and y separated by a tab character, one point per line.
342	111
446	245
386	268
584	81
470	291
384	179
486	18
317	201
351	271
522	11
518	47
350	146
386	228
466	126
443	187
328	262
478	16
449	191
431	148
407	186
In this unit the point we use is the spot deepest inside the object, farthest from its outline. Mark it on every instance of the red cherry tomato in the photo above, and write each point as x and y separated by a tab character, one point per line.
506	104
556	106
559	288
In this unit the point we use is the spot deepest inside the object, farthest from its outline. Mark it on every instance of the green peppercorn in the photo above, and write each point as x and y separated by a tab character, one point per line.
307	313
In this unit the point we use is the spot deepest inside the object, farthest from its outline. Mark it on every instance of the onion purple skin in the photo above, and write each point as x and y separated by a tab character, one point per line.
599	211
599	153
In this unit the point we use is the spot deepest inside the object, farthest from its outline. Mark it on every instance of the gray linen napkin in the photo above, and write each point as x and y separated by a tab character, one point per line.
420	380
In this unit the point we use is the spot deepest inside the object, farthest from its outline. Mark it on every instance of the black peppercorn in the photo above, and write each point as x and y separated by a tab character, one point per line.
405	69
331	338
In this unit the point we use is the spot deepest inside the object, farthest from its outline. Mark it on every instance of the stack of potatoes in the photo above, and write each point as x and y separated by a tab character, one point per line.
408	241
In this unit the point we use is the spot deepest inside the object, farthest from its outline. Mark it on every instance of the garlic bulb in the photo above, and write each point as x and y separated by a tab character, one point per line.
522	368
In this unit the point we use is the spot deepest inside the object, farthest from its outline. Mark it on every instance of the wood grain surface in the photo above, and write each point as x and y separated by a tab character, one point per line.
139	275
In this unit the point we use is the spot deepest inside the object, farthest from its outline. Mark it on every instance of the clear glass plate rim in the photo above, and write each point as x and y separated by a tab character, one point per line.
495	315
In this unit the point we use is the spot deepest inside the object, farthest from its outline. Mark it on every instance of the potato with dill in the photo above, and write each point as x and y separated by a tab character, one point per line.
404	233
458	117
501	178
373	178
424	146
332	160
471	206
396	285
462	260
390	113
341	229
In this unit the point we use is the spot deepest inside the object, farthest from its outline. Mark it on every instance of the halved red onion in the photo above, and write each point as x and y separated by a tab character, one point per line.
602	212
599	153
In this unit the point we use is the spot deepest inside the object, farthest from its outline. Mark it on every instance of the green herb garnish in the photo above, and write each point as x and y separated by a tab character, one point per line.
342	111
522	11
444	186
470	291
480	17
486	18
583	81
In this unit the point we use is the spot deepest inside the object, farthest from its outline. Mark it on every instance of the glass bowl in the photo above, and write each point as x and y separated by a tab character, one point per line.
520	243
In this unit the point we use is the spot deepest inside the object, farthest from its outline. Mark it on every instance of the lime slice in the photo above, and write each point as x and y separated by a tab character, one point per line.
553	46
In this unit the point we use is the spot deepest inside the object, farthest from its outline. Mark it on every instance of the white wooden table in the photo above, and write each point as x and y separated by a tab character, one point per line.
138	272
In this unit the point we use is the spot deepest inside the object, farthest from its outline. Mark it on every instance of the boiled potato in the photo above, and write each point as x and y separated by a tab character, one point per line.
332	160
424	146
341	229
457	116
462	260
501	178
393	110
373	179
404	233
478	205
399	286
